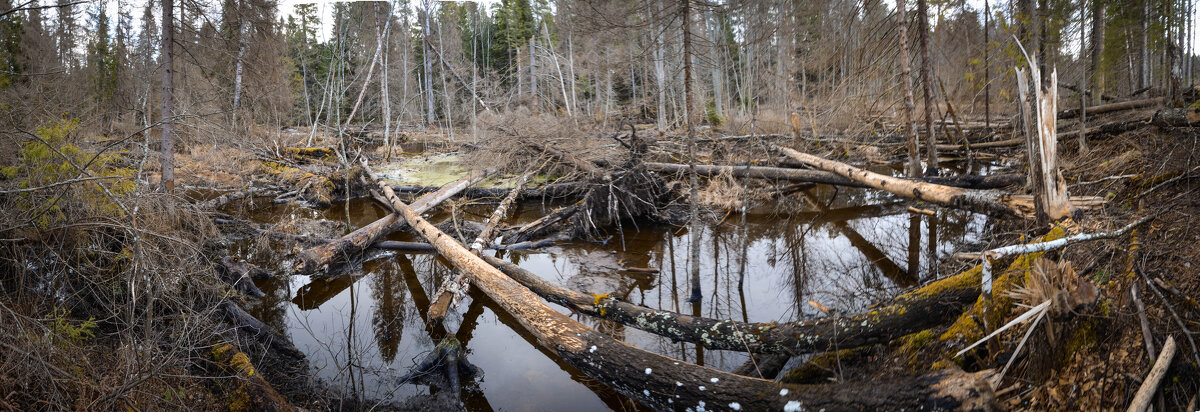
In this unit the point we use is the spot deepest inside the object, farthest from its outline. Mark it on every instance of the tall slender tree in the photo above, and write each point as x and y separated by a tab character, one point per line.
168	95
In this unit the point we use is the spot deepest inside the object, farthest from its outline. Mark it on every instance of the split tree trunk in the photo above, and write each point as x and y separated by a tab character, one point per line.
992	203
318	258
1050	189
664	383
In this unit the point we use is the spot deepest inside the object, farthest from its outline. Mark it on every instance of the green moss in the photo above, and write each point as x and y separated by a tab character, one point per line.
996	309
821	367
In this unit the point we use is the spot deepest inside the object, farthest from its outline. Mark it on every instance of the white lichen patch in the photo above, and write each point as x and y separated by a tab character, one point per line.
714	380
648	371
593	349
783	392
702	388
735	406
793	406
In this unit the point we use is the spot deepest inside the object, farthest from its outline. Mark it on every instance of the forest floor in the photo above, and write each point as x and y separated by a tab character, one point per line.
1092	359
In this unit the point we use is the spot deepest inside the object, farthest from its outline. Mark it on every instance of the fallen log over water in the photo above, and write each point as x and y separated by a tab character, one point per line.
992	203
666	383
818	176
929	306
454	289
553	190
319	257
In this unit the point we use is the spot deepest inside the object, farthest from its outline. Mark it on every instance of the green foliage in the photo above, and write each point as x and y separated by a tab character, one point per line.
710	114
103	61
10	46
67	332
54	159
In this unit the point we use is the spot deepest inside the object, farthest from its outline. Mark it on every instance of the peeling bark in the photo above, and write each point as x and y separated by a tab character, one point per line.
989	202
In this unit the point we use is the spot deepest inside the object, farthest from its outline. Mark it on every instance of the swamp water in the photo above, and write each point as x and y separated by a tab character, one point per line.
843	248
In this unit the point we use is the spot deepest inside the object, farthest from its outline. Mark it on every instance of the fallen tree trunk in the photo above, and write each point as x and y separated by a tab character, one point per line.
818	176
923	308
453	290
1111	107
992	203
319	257
240	275
1176	117
533	228
250	390
552	190
666	383
244	322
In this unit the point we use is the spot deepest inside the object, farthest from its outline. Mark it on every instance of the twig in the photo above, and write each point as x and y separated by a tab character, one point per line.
1150	384
1141	311
1179	321
997	253
64	182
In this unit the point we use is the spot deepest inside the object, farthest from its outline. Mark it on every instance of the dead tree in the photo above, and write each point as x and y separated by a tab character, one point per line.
168	95
1050	189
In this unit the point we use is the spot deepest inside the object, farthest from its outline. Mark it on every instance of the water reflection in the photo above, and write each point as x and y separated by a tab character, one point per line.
842	248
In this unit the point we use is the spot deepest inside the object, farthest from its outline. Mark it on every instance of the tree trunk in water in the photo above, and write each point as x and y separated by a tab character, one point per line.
318	258
693	180
168	95
665	383
453	290
914	154
929	306
931	168
817	176
993	203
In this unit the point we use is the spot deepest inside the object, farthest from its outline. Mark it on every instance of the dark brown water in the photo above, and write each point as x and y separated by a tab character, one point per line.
842	248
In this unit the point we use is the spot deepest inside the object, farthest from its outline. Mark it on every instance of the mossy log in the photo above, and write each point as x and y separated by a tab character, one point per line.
664	383
319	257
992	203
993	310
925	307
251	392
